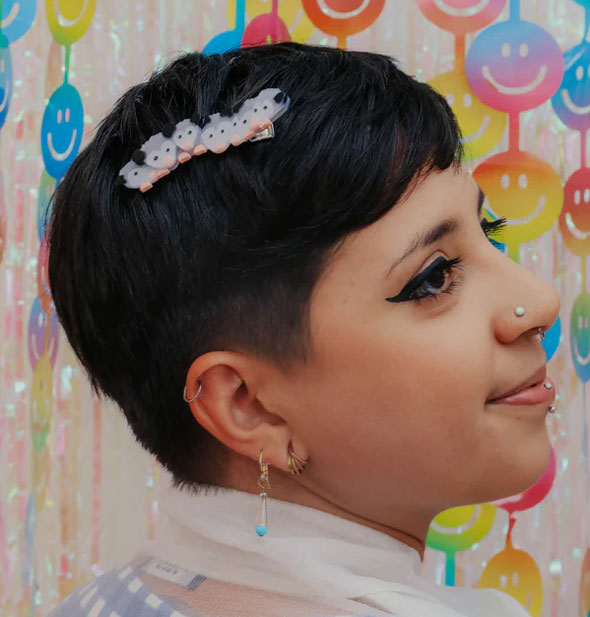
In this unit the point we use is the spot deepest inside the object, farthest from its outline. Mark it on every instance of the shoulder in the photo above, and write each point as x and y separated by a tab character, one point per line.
117	592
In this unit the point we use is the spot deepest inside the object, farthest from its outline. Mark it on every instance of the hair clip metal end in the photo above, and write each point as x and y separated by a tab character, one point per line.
267	133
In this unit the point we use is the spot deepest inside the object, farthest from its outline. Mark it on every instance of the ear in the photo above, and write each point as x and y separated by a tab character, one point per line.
279	97
230	406
120	181
138	157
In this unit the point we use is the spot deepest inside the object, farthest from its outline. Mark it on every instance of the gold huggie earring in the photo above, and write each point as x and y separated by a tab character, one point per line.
296	463
264	483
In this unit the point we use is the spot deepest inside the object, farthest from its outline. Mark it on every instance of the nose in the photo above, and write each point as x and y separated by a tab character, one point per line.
516	285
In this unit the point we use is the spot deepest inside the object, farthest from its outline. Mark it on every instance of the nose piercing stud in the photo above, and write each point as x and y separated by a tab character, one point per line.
519	310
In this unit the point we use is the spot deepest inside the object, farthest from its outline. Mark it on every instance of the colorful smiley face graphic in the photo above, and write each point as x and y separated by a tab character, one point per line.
461	16
5	79
514	65
572	101
42	337
524	189
61	130
515	572
341	18
3	218
482	126
574	220
290	11
68	20
17	17
580	336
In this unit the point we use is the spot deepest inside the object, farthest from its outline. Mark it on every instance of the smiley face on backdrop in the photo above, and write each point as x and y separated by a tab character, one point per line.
482	126
461	16
17	17
514	65
523	188
458	529
580	336
61	130
5	79
291	13
516	573
3	218
68	20
341	18
38	330
571	102
574	220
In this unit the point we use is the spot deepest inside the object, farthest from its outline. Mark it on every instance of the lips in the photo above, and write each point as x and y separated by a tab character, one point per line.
536	378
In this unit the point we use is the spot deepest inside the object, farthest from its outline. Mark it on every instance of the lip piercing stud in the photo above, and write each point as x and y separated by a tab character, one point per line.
548	385
551	409
542	333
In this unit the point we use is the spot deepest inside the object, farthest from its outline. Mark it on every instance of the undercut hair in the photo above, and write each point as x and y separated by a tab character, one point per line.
225	251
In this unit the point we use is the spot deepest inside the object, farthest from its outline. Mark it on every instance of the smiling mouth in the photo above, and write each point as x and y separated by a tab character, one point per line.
14	11
580	235
526	219
480	131
451	10
514	90
326	10
583	361
575	109
63	155
68	23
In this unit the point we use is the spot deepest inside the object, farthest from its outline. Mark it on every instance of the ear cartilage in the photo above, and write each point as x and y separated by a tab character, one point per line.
194	136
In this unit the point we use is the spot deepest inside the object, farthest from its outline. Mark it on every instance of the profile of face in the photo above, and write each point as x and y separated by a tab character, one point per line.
391	408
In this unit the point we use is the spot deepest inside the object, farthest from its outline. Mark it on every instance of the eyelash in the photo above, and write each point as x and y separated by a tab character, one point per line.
412	292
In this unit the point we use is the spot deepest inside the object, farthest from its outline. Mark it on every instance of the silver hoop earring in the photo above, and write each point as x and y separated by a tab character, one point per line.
520	311
195	396
541	333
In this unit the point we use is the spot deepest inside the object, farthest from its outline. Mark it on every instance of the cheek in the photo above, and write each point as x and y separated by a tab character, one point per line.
391	399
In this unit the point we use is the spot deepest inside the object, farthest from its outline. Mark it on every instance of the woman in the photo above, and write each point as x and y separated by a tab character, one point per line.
307	317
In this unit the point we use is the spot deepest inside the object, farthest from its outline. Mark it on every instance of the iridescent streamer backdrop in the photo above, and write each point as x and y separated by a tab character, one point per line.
77	493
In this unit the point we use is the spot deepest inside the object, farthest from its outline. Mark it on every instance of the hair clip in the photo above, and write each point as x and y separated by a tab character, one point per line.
178	143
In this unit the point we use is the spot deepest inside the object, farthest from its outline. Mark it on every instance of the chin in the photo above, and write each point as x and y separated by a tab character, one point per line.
517	470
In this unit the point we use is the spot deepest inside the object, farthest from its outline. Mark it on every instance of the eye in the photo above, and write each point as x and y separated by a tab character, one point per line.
189	132
431	282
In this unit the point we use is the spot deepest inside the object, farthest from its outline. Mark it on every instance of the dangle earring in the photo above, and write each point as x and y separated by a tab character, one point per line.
296	466
264	483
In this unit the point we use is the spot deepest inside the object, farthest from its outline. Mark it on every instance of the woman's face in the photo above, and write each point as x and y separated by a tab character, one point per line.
392	407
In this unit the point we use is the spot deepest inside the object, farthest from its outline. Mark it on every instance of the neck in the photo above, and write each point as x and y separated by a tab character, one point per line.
286	488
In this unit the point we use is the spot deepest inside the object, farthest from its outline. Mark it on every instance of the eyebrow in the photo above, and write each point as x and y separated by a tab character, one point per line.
428	237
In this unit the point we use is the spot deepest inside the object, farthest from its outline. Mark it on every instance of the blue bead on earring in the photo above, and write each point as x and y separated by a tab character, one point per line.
264	483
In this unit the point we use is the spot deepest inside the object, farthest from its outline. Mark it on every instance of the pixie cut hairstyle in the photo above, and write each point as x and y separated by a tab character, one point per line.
224	252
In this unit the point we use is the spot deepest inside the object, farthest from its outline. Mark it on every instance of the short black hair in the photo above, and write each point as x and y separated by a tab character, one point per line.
224	252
